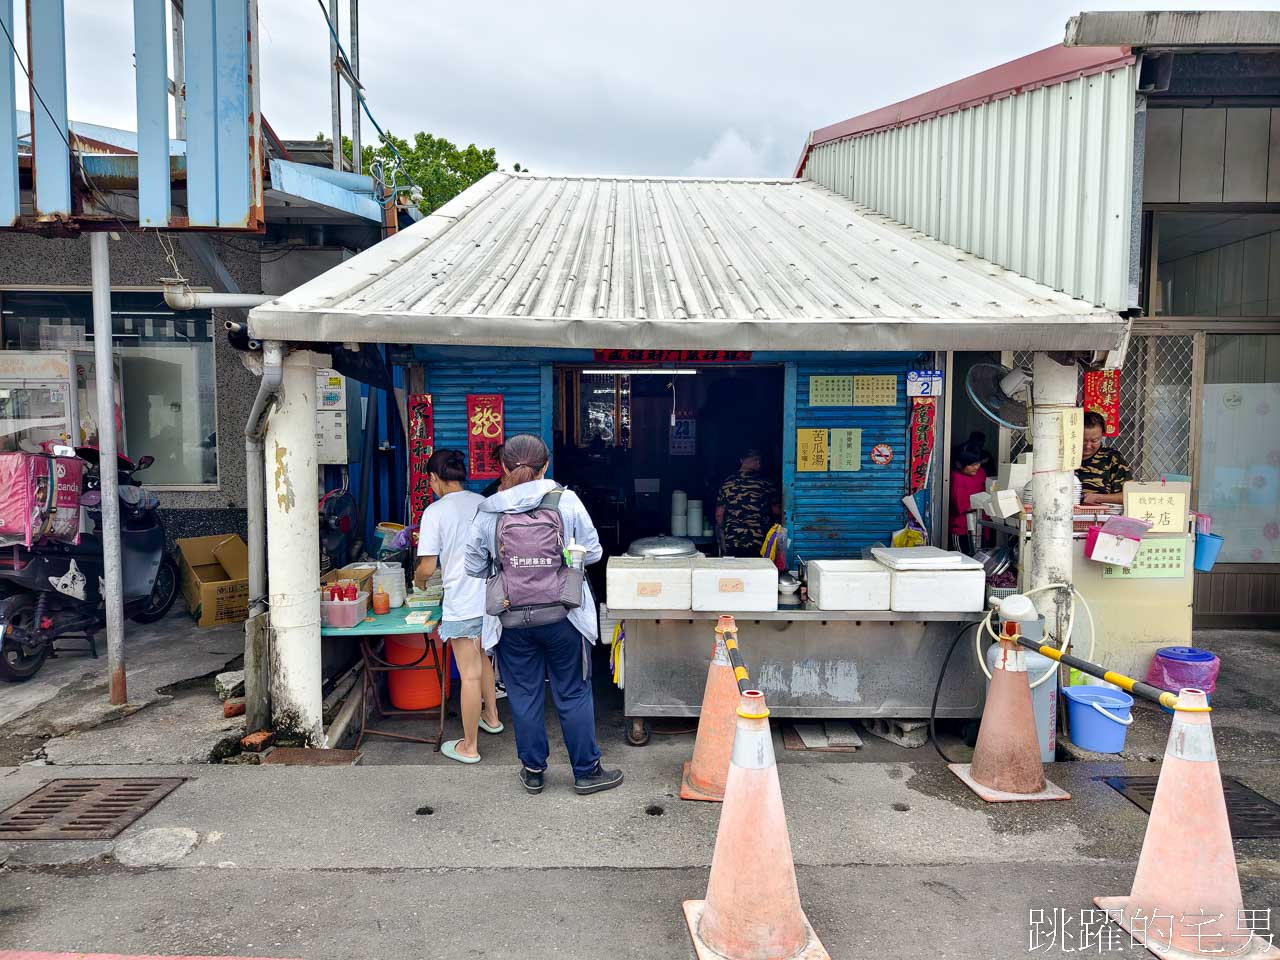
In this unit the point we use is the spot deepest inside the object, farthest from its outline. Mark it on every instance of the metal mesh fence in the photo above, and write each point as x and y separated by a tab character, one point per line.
1155	406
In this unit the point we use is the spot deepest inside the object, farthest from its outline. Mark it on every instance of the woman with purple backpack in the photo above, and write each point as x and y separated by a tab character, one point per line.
531	542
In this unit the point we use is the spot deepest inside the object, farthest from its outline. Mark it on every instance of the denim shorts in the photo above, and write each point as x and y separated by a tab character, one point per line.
456	629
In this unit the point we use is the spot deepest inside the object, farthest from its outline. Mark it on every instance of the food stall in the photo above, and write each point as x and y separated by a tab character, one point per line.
648	330
647	437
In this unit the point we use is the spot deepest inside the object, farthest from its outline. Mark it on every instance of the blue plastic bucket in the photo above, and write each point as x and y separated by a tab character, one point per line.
1099	718
1208	546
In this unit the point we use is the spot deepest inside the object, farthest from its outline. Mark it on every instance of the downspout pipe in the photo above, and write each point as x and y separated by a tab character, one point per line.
179	296
256	660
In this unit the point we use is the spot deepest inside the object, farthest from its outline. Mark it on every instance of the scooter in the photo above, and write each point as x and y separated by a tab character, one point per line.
51	590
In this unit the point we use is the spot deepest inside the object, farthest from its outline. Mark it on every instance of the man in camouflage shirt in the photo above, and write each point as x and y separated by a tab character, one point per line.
1102	472
745	508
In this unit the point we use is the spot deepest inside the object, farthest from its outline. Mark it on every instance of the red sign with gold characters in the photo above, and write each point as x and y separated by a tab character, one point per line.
924	413
421	445
672	356
1102	395
486	429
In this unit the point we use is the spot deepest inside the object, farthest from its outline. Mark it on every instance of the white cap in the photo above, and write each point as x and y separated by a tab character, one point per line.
1017	607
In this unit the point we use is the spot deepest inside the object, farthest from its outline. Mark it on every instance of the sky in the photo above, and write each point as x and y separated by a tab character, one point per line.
667	87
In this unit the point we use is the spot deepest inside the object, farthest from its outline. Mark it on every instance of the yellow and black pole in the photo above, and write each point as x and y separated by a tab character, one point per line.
727	627
1137	687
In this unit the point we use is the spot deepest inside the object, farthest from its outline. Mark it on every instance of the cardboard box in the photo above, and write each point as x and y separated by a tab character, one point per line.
215	578
362	573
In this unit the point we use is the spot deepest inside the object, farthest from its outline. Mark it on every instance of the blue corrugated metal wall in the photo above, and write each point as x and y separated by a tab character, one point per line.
521	386
835	515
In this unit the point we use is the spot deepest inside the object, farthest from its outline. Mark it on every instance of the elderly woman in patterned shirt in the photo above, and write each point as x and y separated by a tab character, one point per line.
1102	472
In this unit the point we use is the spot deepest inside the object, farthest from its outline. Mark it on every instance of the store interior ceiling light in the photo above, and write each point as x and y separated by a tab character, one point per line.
640	371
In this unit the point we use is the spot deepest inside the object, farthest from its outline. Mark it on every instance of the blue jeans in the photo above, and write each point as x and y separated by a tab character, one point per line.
529	655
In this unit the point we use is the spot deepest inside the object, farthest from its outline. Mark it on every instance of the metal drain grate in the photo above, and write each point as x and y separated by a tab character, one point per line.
1250	814
83	809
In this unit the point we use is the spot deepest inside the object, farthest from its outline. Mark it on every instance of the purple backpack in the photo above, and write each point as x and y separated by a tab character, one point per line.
532	585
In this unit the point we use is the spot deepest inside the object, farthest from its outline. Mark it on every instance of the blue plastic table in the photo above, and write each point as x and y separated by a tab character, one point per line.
369	631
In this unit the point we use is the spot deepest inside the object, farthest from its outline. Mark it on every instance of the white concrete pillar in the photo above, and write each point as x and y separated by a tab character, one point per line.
104	376
293	552
1053	490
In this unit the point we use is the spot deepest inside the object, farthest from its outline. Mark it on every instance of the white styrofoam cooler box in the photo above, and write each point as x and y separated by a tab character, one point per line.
735	584
848	584
639	583
959	589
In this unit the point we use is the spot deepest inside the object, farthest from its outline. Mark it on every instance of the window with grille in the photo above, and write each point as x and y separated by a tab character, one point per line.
1155	406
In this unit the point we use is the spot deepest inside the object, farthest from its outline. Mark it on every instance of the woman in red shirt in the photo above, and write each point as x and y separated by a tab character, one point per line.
967	478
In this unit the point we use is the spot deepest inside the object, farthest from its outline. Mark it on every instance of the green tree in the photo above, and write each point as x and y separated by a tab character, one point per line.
439	168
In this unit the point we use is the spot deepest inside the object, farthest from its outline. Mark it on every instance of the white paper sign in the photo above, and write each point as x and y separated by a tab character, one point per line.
684	437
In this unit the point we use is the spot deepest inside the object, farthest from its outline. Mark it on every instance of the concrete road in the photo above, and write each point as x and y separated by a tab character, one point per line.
883	912
412	856
894	861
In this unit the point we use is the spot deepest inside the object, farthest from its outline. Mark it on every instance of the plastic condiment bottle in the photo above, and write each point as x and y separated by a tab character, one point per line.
381	601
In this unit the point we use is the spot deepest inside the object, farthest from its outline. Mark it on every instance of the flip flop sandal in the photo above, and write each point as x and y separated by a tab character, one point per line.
496	728
450	749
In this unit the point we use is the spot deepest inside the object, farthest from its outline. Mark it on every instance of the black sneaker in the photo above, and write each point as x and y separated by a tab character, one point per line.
532	780
598	780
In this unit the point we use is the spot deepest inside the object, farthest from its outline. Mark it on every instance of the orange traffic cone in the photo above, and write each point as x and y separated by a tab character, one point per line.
752	910
1186	900
1006	759
704	777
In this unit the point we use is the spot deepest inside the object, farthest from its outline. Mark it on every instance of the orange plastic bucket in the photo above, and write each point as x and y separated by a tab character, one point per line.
411	689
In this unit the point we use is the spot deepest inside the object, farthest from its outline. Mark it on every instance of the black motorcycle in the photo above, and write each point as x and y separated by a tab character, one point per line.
52	590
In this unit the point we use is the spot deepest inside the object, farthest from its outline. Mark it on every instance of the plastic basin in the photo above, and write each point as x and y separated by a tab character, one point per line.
411	689
1099	718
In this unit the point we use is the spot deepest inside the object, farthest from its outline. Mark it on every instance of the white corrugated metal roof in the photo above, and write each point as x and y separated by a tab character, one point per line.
613	262
1039	180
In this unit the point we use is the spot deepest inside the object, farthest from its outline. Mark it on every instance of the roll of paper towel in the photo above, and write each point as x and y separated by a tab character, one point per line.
694	525
679	503
679	526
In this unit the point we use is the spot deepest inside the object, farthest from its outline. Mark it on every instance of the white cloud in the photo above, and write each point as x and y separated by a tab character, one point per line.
733	155
724	87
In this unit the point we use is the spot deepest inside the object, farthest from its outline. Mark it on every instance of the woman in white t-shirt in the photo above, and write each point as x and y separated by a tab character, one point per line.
446	526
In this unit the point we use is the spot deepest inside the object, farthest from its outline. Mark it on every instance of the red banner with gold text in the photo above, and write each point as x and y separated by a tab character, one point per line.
924	413
422	435
486	428
1102	395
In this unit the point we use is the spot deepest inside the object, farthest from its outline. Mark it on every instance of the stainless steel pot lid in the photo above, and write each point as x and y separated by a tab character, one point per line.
662	547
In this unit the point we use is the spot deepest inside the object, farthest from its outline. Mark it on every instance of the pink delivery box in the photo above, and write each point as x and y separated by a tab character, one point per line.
39	498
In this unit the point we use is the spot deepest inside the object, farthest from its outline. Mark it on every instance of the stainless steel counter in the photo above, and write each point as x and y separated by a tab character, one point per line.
809	663
807	612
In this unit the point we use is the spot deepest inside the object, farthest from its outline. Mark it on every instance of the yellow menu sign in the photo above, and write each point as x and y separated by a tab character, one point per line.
811	451
1163	505
830	391
875	391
